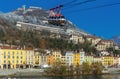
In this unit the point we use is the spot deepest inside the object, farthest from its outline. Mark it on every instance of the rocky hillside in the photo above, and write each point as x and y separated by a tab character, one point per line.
34	15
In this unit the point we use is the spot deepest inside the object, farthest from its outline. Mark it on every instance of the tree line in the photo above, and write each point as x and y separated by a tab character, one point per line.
59	69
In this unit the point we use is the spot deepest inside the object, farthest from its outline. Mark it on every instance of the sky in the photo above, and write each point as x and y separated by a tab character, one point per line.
103	22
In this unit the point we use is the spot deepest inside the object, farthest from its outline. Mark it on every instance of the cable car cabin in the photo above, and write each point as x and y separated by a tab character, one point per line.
57	20
55	16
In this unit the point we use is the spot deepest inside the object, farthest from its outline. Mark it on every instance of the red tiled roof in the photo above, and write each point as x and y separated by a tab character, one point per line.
8	47
29	48
94	37
100	43
106	41
14	47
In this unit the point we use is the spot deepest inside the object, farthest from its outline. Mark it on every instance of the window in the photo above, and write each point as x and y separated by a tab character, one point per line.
17	61
17	57
21	57
12	61
4	61
21	53
81	57
4	56
17	53
13	57
20	61
13	53
8	53
81	54
8	61
4	53
8	56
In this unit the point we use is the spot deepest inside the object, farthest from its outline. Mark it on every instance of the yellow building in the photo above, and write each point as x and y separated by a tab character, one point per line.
108	60
76	58
37	59
56	55
12	57
63	60
50	59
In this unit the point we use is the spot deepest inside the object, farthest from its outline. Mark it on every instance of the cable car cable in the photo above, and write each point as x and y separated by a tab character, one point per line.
100	6
77	4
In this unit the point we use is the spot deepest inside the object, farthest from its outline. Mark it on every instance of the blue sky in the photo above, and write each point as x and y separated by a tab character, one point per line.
103	22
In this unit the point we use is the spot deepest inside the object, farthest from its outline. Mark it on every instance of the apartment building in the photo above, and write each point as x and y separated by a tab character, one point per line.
107	61
76	58
12	57
89	59
69	58
77	38
93	39
50	59
29	57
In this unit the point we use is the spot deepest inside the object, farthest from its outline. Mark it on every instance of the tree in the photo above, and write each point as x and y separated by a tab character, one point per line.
71	69
110	49
43	43
96	67
1	33
78	69
86	69
63	69
116	52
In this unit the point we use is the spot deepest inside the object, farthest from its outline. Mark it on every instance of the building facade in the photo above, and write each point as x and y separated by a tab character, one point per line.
76	58
69	58
29	57
12	58
107	61
77	38
93	39
89	59
50	59
82	56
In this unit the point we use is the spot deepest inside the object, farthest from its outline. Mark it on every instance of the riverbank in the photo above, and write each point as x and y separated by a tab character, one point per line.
114	76
45	74
37	72
20	72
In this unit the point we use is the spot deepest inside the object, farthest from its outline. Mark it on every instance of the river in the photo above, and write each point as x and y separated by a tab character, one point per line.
117	76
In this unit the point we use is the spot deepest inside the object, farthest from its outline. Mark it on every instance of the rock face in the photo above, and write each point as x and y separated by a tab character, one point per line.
116	39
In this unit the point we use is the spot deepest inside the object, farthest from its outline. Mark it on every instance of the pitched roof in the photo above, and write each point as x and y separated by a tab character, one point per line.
15	48
106	41
93	37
